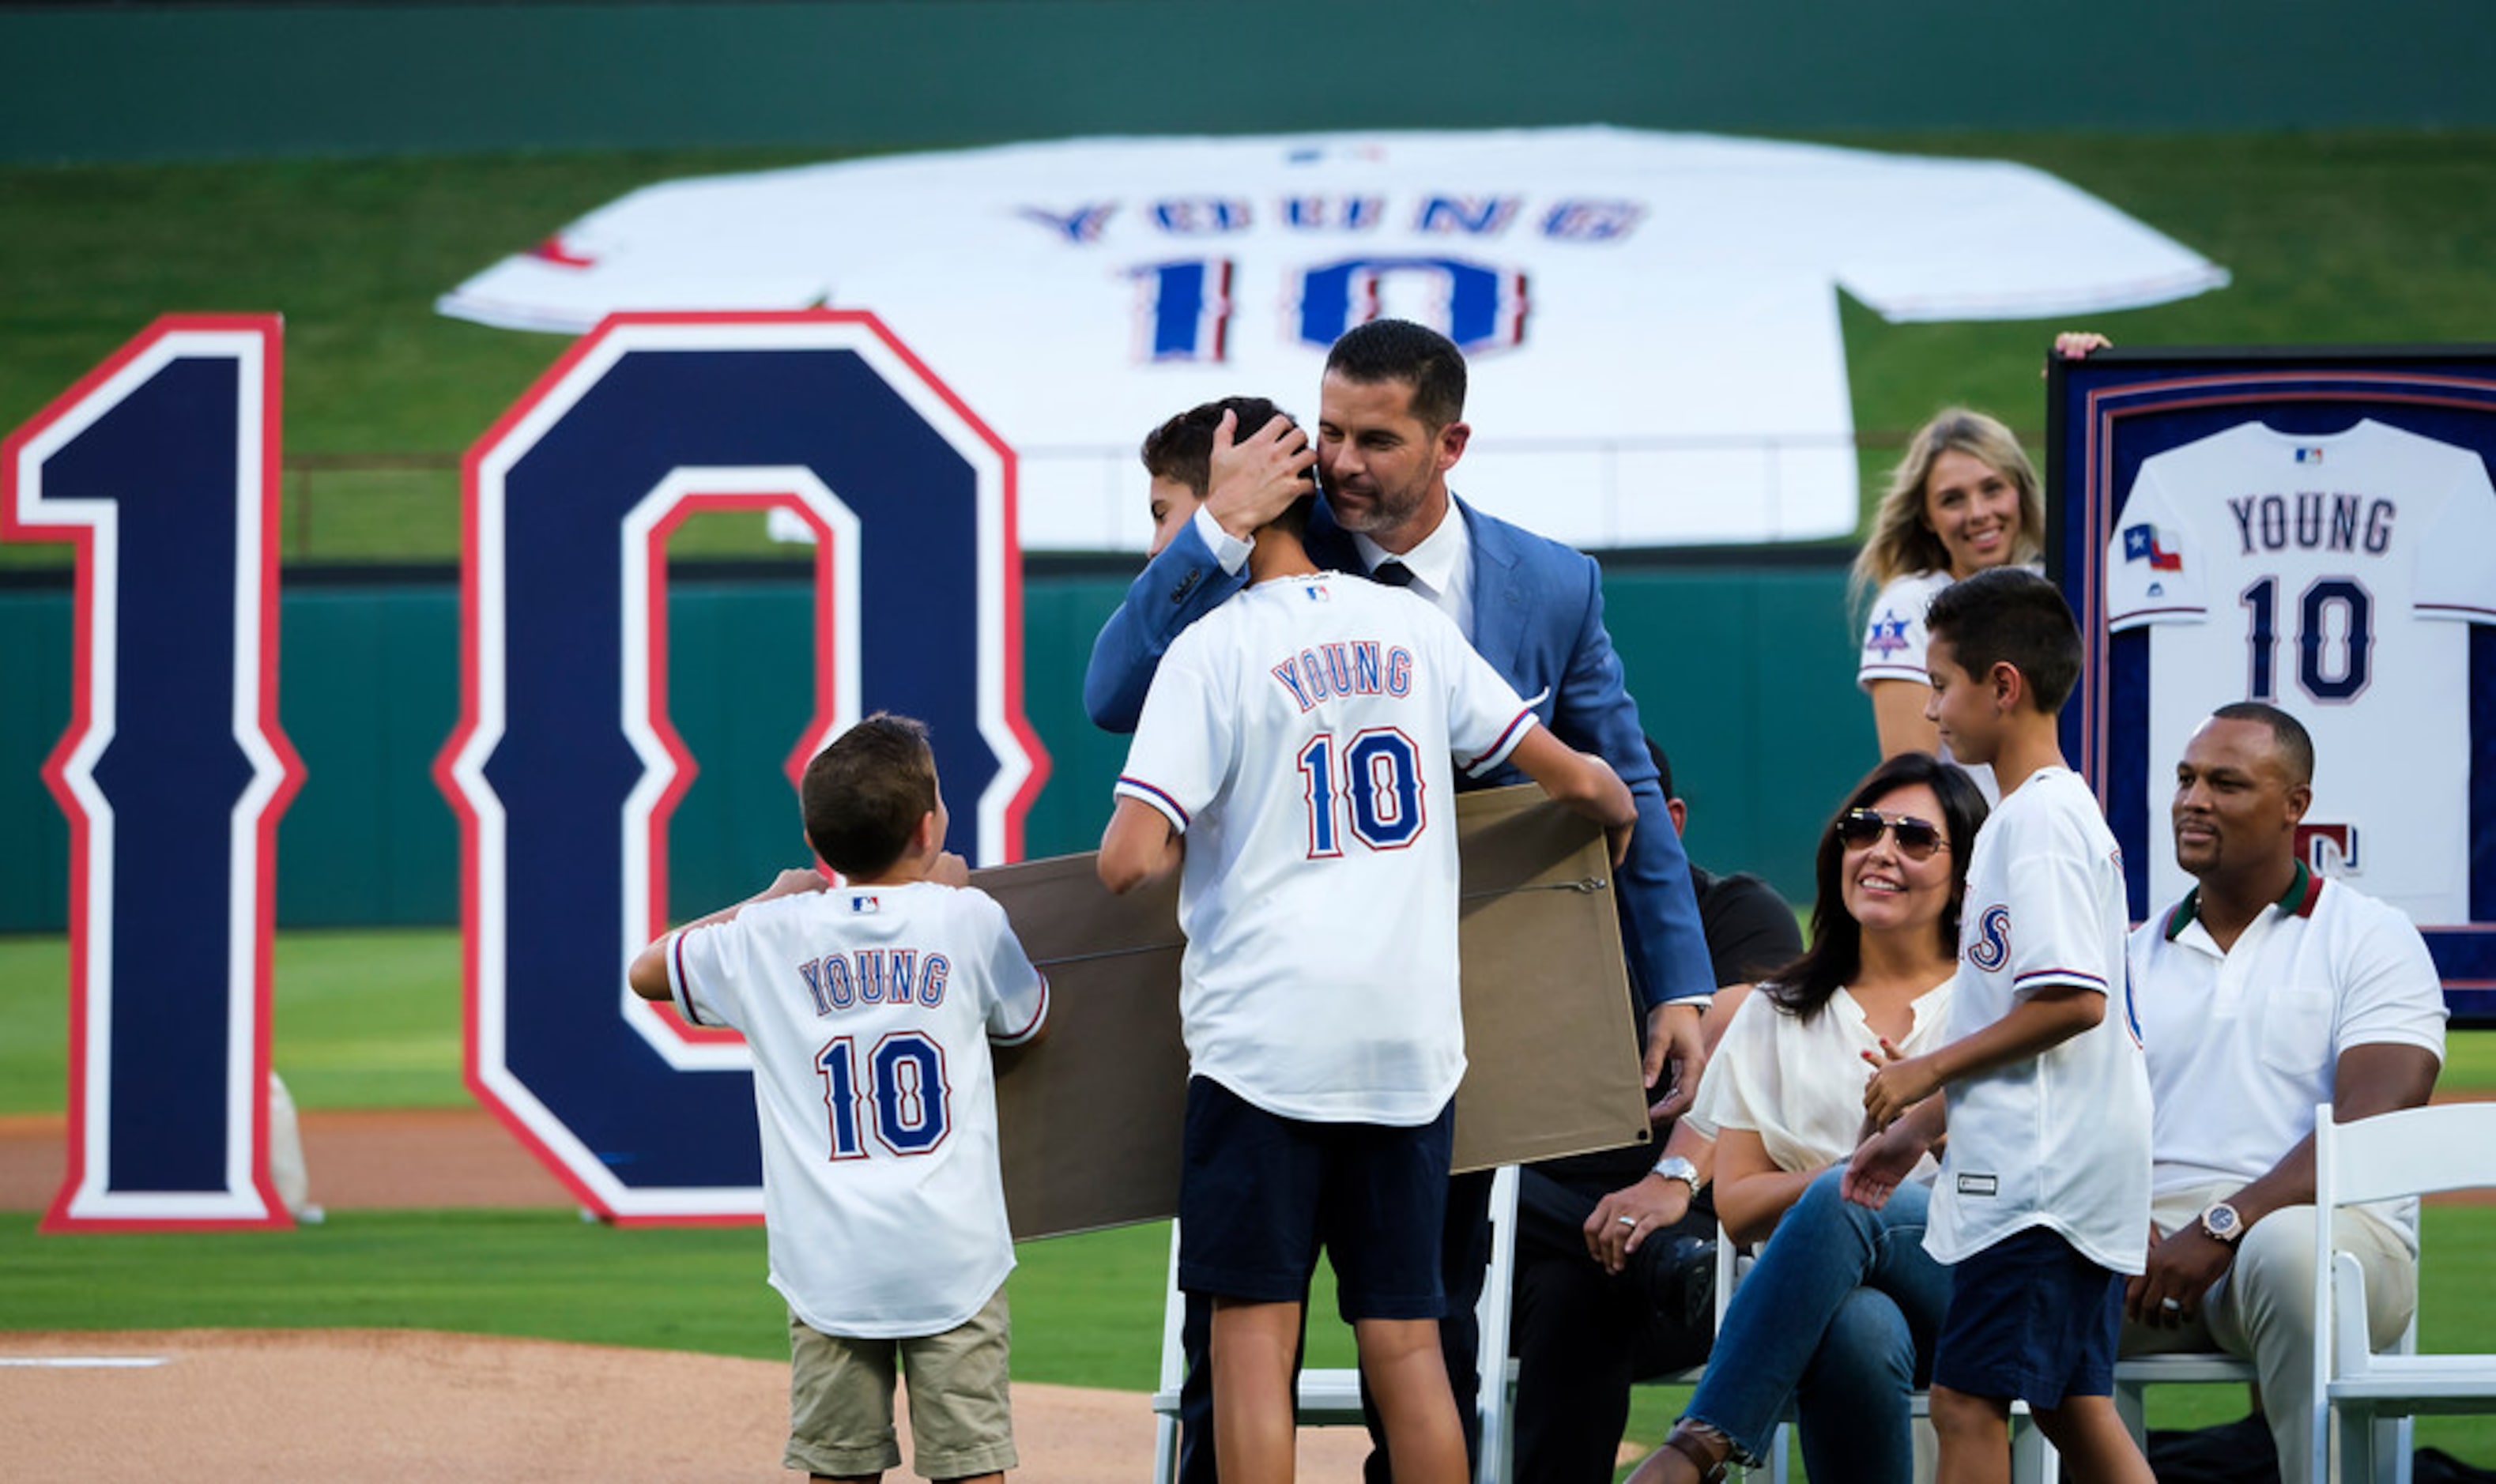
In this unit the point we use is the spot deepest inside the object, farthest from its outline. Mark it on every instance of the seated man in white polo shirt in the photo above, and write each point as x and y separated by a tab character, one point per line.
2266	991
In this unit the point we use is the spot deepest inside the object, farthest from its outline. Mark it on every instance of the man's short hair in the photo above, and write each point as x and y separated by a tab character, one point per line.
1416	355
865	795
2288	734
2010	613
1182	448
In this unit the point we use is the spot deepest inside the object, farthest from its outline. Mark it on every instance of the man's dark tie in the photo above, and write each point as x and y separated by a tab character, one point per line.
1392	573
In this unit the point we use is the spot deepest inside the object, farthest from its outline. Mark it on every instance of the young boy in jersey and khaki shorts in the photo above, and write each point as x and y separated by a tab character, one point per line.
870	1008
2042	1201
1295	761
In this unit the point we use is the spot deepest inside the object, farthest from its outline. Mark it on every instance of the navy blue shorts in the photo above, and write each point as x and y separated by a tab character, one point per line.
1260	1194
2030	1318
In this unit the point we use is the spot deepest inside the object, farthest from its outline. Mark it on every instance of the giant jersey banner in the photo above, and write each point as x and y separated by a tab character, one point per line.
2310	528
566	768
161	469
1651	318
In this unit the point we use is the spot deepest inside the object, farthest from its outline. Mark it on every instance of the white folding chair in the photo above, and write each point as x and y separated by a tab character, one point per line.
1331	1397
2133	1375
2412	1152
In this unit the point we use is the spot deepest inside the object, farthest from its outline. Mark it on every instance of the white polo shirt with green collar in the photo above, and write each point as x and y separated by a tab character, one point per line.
2242	1044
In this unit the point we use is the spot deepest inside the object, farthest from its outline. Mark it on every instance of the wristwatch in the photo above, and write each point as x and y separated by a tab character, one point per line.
1678	1167
2221	1223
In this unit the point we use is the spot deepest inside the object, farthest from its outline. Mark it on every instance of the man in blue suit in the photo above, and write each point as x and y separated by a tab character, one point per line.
1390	428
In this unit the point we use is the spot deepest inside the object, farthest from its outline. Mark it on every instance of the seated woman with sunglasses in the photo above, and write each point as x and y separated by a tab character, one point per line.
1838	1314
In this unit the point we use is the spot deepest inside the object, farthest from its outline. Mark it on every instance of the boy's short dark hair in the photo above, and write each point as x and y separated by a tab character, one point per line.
1416	355
865	795
1182	448
2010	613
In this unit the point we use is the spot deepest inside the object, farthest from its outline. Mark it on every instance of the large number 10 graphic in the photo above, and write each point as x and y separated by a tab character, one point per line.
907	1100
161	467
2316	608
565	767
1378	791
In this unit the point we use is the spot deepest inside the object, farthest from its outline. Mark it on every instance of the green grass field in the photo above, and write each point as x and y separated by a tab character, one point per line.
2373	238
372	1019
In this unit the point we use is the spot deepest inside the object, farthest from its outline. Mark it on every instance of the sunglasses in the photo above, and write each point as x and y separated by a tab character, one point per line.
1860	828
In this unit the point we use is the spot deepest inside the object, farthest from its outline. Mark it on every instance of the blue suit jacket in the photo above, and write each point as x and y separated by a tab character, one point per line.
1539	620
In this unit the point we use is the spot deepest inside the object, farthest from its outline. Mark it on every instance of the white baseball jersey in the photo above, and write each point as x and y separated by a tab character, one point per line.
869	1010
2242	1044
1304	737
1894	640
2334	578
2060	1140
1652	319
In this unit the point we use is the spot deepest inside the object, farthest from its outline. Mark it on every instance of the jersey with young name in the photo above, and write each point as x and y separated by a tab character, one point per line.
2061	1139
2336	578
870	1011
1304	737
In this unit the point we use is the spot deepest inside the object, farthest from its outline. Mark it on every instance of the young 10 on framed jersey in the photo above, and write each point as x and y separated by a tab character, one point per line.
2314	528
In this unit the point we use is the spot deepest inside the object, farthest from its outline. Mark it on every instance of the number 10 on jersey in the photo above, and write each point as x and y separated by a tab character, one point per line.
1371	784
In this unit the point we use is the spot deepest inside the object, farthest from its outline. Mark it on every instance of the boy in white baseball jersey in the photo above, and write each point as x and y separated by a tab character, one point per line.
870	1008
1300	739
2042	1202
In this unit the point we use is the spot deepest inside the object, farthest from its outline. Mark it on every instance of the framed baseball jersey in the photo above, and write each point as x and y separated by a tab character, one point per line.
2310	528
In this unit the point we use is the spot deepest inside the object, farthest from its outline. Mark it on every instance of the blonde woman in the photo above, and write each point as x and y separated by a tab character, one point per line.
1963	499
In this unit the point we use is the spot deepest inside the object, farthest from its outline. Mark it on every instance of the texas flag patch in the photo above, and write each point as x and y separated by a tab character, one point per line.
2145	542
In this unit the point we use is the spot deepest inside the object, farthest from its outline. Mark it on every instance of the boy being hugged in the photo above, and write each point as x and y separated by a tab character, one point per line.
2043	1203
870	1008
1302	739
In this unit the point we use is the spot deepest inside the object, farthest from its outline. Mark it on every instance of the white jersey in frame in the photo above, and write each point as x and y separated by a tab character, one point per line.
869	1010
1304	737
2336	578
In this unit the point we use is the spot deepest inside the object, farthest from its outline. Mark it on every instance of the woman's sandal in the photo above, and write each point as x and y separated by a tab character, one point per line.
1707	1449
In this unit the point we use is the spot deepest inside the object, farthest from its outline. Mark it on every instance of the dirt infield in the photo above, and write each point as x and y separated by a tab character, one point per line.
280	1405
288	1406
407	1159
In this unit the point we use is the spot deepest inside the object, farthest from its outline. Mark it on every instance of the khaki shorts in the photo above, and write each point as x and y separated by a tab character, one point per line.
840	1400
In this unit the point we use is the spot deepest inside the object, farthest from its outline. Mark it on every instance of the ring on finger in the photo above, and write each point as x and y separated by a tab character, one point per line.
2171	1305
1626	1221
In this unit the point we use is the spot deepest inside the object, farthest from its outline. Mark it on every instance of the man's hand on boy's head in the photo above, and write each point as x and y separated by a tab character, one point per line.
1250	483
950	870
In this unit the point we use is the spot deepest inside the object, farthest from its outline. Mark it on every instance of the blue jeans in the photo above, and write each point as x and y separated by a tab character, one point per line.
1836	1318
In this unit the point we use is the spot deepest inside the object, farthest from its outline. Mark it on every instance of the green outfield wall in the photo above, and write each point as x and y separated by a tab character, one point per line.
1746	673
135	81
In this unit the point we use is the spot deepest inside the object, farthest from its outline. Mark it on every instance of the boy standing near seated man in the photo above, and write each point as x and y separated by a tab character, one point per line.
2043	1203
1299	740
870	1008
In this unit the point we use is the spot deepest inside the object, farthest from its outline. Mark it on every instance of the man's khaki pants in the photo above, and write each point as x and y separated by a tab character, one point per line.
2263	1310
